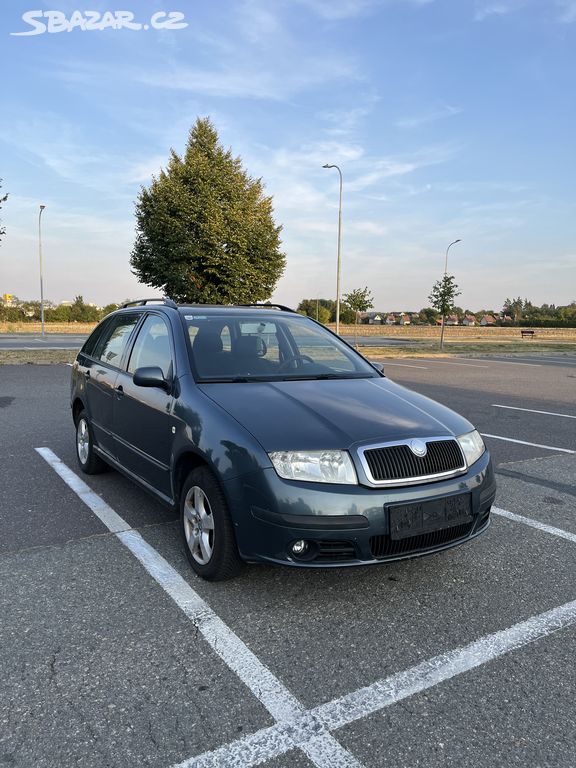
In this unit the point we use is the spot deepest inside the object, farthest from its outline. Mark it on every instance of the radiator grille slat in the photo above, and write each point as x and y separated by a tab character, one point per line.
398	462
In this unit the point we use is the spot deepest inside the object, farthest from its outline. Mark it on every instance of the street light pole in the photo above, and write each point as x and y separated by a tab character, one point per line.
41	277
339	245
445	273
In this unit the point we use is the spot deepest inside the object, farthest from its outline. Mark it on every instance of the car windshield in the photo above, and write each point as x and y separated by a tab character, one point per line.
232	347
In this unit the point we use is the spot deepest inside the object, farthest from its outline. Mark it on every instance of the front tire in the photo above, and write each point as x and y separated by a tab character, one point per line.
89	462
207	529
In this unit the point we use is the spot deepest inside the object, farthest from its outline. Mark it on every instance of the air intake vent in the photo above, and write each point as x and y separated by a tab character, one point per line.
383	546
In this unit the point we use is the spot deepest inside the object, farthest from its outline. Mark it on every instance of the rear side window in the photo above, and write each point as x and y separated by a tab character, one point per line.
111	344
92	340
152	347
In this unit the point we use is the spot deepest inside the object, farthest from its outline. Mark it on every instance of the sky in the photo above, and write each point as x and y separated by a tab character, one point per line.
449	119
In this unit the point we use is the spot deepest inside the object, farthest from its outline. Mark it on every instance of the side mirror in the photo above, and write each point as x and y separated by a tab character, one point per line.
151	377
379	366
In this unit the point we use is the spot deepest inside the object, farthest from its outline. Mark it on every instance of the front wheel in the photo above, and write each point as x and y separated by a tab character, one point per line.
207	529
89	462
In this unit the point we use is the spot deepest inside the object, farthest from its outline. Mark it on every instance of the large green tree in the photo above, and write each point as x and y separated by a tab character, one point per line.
205	229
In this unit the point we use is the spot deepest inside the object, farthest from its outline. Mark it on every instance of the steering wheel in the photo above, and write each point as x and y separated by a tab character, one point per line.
293	359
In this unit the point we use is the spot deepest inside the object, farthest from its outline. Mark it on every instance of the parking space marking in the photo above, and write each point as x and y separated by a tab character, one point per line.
323	749
530	410
450	362
511	362
554	360
535	524
523	442
405	365
309	730
279	739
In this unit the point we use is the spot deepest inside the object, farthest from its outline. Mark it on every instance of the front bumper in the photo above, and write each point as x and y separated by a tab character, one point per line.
347	525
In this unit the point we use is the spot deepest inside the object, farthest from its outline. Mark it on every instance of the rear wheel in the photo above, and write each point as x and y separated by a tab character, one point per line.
207	529
89	462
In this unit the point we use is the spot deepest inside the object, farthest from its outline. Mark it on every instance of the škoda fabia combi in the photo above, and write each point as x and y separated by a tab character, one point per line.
276	440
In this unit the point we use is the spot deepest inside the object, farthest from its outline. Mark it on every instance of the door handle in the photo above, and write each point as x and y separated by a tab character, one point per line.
87	374
120	390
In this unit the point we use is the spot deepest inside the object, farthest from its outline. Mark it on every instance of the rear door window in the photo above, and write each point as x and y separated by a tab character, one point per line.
112	343
152	347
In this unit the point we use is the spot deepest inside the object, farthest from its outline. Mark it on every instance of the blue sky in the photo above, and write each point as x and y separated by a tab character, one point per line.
449	119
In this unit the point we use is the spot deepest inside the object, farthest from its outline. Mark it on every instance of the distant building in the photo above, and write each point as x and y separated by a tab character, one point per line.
469	320
487	320
372	318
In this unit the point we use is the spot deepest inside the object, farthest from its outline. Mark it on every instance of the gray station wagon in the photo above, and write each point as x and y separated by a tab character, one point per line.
275	439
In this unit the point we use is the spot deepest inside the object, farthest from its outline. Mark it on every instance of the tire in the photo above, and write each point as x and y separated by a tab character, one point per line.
89	462
207	529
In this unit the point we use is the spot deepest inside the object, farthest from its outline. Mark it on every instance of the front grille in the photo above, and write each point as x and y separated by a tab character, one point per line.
388	463
384	546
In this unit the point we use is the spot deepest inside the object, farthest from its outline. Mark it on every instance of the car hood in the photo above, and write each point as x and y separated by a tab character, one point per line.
315	415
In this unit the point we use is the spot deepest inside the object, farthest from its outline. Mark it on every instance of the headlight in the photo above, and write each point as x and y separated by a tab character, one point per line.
472	445
315	466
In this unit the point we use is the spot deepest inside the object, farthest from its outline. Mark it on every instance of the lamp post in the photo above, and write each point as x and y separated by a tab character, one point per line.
41	277
327	165
445	273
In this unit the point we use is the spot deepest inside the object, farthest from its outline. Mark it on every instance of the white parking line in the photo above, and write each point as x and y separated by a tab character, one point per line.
279	739
451	362
404	365
323	750
530	410
523	442
555	360
535	524
513	362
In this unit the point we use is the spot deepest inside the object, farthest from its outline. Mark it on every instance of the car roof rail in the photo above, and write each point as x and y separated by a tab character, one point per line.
282	307
141	302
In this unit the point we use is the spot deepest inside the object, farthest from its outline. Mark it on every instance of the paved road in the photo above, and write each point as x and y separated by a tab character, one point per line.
69	341
100	667
50	341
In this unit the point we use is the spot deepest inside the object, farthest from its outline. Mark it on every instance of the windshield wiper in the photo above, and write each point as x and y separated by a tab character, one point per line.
325	376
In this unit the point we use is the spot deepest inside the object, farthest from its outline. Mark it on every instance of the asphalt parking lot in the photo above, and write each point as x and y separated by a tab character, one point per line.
114	654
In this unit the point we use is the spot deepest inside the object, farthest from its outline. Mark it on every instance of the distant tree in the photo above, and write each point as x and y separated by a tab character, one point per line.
347	314
107	309
514	308
83	313
205	231
359	300
442	298
317	309
428	315
3	199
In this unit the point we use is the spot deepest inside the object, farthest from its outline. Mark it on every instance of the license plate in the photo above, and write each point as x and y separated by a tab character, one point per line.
415	519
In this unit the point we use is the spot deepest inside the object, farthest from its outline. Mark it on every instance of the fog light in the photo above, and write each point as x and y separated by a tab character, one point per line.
299	547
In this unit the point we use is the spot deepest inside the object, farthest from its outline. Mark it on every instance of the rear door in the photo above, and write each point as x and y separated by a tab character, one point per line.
101	371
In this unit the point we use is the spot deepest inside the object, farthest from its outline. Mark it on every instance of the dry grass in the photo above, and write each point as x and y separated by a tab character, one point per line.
36	356
36	328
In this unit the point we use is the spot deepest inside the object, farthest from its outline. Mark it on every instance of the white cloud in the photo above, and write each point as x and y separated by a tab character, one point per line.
428	117
568	11
486	9
336	10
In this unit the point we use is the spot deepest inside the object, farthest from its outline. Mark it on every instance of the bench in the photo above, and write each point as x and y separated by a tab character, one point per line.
527	333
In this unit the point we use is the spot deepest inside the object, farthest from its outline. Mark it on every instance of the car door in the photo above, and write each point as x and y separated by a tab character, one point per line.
100	372
143	416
